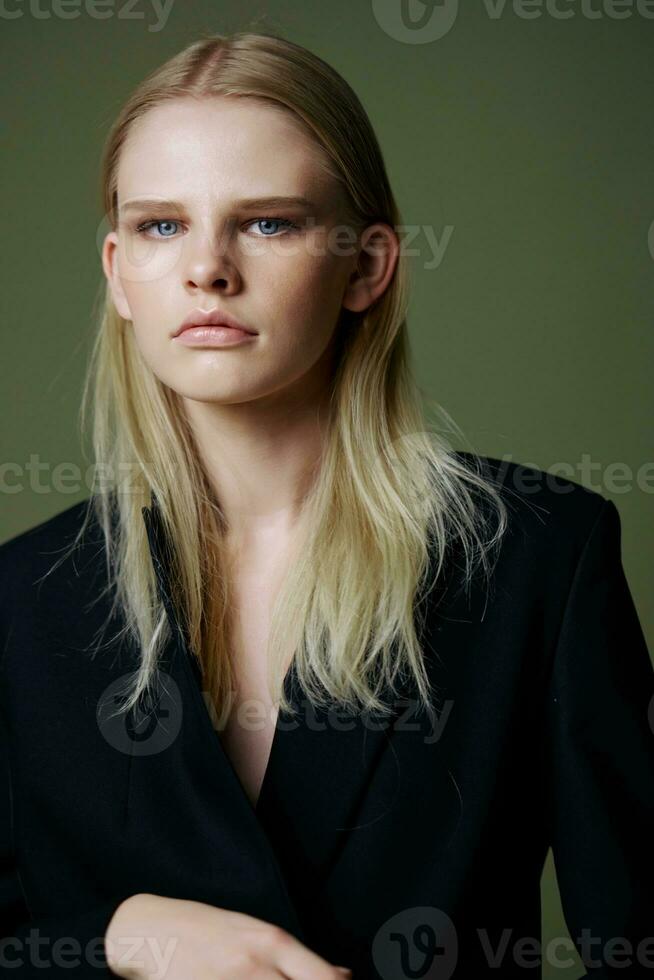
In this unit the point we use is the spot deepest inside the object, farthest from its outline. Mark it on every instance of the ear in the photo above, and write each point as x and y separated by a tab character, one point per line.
376	263
109	265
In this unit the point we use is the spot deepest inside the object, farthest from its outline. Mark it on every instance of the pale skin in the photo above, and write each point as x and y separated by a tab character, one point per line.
256	410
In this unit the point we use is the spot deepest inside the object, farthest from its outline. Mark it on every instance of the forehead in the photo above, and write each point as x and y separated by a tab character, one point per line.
223	147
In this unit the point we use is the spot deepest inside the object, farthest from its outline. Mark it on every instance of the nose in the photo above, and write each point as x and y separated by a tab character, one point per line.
209	267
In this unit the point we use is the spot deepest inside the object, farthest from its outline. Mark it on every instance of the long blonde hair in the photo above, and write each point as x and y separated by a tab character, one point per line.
390	497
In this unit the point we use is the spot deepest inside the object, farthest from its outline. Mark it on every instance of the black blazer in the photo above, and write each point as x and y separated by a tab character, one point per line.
399	849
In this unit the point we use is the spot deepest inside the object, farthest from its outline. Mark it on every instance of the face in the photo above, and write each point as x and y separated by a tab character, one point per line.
282	269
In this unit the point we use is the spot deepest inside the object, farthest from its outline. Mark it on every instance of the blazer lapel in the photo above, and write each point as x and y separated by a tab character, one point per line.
225	857
321	765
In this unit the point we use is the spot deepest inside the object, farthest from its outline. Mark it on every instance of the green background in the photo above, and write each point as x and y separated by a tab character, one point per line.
525	141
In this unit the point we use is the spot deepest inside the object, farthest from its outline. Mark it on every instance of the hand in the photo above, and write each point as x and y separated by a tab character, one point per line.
151	938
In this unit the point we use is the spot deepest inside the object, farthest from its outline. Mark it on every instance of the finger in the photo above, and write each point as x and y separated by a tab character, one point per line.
297	962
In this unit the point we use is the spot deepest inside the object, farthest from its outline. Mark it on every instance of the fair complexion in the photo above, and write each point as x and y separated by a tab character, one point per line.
257	409
152	937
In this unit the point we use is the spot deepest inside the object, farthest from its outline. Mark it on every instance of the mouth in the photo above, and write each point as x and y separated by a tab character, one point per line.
213	337
213	318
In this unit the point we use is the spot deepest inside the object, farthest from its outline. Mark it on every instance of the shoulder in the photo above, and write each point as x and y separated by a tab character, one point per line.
549	517
43	539
527	487
67	545
57	598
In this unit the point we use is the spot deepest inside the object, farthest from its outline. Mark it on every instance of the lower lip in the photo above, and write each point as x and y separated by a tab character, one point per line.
213	337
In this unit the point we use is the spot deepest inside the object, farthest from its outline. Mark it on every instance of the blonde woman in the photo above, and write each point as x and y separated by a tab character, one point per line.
300	688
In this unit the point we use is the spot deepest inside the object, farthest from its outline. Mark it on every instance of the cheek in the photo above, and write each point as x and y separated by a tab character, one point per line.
152	348
145	264
150	293
308	293
151	304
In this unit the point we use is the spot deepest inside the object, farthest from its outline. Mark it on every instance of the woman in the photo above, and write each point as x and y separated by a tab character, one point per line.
430	646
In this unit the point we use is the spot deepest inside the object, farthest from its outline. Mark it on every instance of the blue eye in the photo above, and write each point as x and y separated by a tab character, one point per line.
284	222
149	224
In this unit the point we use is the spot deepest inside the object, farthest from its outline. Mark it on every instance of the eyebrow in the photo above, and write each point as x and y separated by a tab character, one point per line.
136	204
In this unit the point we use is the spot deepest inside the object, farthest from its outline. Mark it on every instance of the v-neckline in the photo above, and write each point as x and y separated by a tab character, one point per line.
158	540
193	673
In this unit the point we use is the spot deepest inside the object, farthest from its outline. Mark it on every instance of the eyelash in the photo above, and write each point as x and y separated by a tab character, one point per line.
146	225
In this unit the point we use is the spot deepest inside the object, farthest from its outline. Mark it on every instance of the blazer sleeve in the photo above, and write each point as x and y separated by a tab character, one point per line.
70	945
599	750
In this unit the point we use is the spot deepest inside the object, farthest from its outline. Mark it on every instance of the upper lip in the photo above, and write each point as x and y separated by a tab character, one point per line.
214	318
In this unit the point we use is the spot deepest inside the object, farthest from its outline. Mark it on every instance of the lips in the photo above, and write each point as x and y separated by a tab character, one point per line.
211	318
